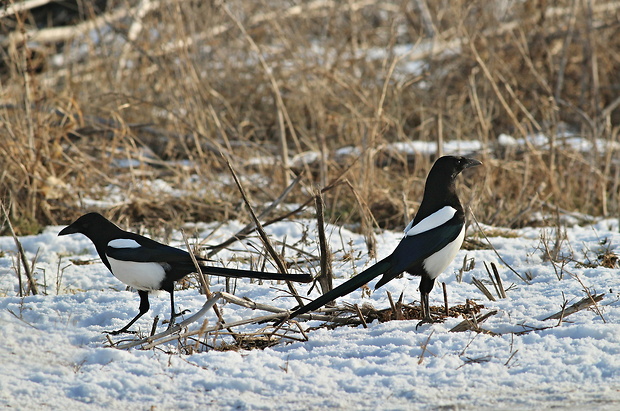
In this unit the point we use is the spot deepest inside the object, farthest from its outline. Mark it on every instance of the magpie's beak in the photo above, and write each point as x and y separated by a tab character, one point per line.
70	229
472	163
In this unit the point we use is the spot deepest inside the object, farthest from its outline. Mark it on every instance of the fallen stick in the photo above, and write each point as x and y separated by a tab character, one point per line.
586	302
281	311
474	324
15	8
66	33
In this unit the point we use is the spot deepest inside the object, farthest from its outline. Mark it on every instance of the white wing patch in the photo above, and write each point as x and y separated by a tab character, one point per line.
434	220
124	243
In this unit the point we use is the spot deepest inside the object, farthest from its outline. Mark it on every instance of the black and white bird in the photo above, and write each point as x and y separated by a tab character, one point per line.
147	265
432	239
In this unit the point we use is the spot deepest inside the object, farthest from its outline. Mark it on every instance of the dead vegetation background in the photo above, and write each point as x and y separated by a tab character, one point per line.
102	101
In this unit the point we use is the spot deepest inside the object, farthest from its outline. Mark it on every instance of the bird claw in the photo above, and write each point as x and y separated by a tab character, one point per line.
428	320
182	313
174	317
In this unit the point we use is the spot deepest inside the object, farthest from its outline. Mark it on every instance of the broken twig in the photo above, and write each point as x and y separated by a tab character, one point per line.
582	304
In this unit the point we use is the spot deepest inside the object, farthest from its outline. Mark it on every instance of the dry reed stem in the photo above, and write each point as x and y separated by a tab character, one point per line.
251	226
425	347
582	304
495	250
495	279
473	323
21	254
325	278
204	282
18	7
272	252
281	312
360	315
480	285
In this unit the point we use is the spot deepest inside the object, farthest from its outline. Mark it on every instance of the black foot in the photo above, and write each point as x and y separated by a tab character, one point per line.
182	313
428	320
174	317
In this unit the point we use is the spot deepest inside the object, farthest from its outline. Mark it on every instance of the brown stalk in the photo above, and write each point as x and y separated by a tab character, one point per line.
360	315
582	304
325	278
425	347
473	323
250	227
22	254
272	252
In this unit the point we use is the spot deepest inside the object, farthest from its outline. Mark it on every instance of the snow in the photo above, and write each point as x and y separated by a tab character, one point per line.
456	147
55	355
564	139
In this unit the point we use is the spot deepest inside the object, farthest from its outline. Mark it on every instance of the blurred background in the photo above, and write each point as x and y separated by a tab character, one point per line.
133	108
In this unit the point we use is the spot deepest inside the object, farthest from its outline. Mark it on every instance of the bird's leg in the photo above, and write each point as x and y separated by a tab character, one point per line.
426	310
173	314
426	285
144	307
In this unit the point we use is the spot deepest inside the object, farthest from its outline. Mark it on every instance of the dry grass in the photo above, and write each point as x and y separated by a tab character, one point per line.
179	87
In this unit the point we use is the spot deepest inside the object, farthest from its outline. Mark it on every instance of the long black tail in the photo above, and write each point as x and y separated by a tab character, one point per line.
346	287
235	273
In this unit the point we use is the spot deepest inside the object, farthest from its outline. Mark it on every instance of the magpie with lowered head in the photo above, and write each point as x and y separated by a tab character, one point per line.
147	265
431	239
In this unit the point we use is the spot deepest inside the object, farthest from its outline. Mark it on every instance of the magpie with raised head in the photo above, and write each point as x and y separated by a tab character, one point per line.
147	265
431	241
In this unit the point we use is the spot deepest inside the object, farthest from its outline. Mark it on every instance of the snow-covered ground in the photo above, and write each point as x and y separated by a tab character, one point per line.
54	354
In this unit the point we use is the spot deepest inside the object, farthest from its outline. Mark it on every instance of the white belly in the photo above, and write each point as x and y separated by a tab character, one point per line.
141	276
438	262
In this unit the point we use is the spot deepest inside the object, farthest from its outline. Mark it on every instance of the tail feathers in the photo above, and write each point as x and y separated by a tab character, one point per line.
387	277
345	288
235	273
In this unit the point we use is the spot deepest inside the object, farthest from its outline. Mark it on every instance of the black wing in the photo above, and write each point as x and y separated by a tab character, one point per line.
150	251
412	250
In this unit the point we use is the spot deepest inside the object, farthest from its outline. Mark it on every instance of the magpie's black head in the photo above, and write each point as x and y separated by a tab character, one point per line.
440	190
451	166
88	224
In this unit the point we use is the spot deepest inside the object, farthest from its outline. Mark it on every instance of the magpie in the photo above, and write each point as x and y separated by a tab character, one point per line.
147	265
429	245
